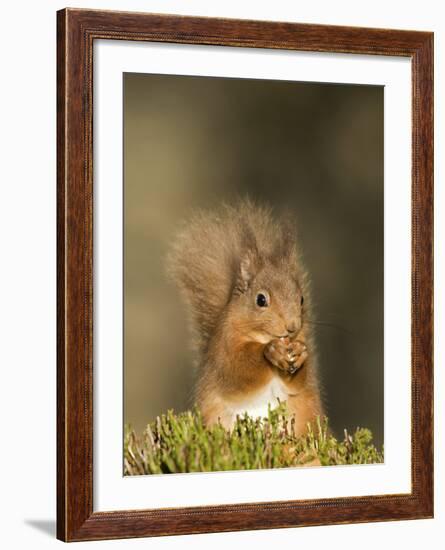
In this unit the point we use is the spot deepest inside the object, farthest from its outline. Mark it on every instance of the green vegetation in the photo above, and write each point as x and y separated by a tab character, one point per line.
182	443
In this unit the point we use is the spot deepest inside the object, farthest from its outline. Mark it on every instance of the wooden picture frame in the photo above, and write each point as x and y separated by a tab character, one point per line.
76	32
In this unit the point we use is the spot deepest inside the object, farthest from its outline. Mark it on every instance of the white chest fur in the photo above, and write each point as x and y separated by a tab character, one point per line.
257	405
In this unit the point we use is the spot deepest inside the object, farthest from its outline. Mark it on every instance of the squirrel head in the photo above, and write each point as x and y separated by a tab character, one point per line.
268	298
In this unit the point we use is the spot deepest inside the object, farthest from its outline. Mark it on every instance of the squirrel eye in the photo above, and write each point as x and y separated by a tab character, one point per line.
261	300
302	301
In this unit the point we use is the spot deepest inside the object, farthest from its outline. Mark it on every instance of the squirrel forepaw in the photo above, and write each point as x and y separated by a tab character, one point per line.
286	355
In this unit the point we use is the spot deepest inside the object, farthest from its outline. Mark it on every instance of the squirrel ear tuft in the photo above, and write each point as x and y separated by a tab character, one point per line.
245	274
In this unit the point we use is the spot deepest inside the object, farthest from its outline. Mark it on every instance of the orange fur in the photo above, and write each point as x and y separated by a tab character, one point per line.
249	355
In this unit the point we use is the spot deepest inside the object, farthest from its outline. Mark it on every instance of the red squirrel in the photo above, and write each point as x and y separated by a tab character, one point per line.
246	290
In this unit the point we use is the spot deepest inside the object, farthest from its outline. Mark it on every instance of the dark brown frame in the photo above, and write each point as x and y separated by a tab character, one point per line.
76	32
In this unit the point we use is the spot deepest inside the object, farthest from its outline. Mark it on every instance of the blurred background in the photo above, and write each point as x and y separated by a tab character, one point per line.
316	149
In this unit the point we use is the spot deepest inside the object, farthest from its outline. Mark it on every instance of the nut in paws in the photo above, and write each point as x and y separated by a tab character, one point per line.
286	355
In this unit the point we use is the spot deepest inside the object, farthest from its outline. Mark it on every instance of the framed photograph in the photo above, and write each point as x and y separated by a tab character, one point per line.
245	228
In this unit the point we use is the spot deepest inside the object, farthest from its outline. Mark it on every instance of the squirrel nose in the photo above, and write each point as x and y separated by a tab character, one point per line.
291	327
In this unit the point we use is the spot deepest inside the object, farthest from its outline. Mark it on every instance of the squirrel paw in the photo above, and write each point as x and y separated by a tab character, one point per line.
286	355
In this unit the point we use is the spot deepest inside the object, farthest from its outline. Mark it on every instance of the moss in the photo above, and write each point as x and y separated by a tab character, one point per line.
182	443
